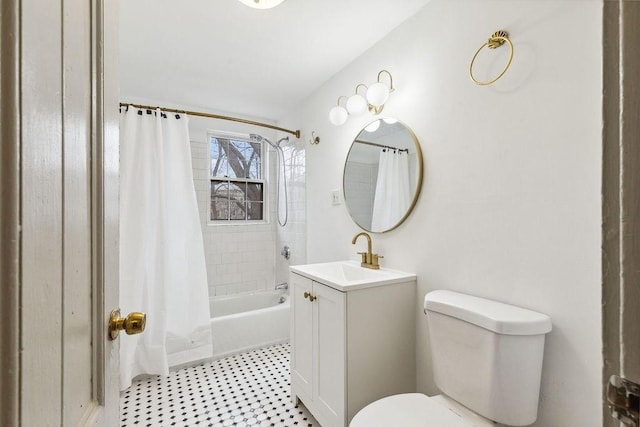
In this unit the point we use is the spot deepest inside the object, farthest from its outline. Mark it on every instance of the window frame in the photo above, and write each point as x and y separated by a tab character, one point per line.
264	181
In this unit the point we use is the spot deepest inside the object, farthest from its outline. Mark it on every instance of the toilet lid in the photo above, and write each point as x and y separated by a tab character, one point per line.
407	410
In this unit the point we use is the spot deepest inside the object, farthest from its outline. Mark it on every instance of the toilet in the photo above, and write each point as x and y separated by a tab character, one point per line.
487	362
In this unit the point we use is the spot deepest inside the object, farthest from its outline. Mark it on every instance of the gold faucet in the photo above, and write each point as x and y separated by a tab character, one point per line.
369	260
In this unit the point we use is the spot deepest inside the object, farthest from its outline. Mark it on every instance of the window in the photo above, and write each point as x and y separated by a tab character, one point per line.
237	183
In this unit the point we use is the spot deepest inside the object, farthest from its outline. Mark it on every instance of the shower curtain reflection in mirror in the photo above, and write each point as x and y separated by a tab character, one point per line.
162	263
393	193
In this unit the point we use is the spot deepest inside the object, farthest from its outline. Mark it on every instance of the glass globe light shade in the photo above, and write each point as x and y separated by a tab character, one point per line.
377	94
261	4
373	126
338	115
356	104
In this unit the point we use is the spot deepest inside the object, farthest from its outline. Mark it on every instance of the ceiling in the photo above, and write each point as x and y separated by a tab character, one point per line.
220	55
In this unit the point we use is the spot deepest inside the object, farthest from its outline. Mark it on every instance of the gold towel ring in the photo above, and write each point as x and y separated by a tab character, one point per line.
497	39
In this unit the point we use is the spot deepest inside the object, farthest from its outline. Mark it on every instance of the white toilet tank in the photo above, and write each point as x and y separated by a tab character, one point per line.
487	355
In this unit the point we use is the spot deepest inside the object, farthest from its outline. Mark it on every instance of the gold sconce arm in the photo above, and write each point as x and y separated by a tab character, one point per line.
391	88
361	85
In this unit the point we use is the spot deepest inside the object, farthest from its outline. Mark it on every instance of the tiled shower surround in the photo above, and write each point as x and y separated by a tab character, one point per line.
294	233
242	258
248	389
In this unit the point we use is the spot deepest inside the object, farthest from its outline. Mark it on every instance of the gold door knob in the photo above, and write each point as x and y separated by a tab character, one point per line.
134	323
307	294
312	298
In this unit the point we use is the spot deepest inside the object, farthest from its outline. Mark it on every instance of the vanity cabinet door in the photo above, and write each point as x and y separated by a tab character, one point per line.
318	349
329	330
302	354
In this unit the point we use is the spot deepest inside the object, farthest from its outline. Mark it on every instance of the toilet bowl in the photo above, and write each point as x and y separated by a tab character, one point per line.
487	362
417	410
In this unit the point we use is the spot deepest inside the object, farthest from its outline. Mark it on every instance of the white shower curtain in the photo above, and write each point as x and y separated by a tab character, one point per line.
393	193
162	264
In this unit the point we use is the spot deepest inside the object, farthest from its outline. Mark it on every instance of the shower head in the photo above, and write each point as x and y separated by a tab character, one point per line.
259	138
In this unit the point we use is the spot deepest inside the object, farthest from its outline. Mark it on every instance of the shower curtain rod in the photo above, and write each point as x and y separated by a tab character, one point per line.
213	116
381	146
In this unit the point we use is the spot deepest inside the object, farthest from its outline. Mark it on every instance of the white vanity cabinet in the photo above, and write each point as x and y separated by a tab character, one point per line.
350	347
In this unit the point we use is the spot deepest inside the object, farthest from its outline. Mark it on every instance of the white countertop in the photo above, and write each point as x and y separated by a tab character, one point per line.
349	275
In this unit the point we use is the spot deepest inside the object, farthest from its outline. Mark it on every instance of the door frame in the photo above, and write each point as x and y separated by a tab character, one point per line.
10	213
620	195
104	162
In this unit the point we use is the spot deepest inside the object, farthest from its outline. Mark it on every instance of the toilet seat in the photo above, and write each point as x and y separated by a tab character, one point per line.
407	410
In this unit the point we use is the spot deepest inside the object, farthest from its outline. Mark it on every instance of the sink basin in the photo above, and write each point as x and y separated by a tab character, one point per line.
348	275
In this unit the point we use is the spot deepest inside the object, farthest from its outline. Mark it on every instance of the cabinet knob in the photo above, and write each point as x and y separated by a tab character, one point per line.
311	297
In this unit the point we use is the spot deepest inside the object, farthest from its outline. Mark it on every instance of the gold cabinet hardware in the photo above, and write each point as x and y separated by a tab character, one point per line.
311	297
134	323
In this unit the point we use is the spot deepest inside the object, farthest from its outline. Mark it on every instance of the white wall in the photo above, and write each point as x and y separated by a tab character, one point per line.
510	206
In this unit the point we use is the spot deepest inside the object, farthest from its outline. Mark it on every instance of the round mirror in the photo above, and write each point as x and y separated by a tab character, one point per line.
382	175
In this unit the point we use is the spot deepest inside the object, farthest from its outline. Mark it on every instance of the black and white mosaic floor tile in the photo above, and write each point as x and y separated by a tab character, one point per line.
248	389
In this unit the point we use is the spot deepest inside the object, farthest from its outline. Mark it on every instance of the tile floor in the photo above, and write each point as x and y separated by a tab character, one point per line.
248	389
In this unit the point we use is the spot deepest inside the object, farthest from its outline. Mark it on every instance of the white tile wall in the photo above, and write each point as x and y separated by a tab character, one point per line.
293	234
361	187
240	258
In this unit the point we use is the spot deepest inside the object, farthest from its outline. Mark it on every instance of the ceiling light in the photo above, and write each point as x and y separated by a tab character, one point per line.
261	4
375	97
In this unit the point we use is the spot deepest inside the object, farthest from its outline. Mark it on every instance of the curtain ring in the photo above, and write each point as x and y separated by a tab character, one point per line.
496	40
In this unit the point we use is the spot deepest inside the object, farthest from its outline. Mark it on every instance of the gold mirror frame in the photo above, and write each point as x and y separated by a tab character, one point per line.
418	182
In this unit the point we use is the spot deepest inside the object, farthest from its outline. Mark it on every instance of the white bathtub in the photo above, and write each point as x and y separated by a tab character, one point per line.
248	321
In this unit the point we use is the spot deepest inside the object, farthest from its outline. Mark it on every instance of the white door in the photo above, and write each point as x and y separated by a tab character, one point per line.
60	214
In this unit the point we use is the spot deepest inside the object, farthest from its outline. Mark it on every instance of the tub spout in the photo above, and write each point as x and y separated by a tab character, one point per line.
282	286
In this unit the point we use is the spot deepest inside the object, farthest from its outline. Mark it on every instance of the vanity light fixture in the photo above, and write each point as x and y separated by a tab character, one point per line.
338	115
378	93
375	96
261	4
356	103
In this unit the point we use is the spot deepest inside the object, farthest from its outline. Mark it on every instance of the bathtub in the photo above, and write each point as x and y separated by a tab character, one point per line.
248	321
